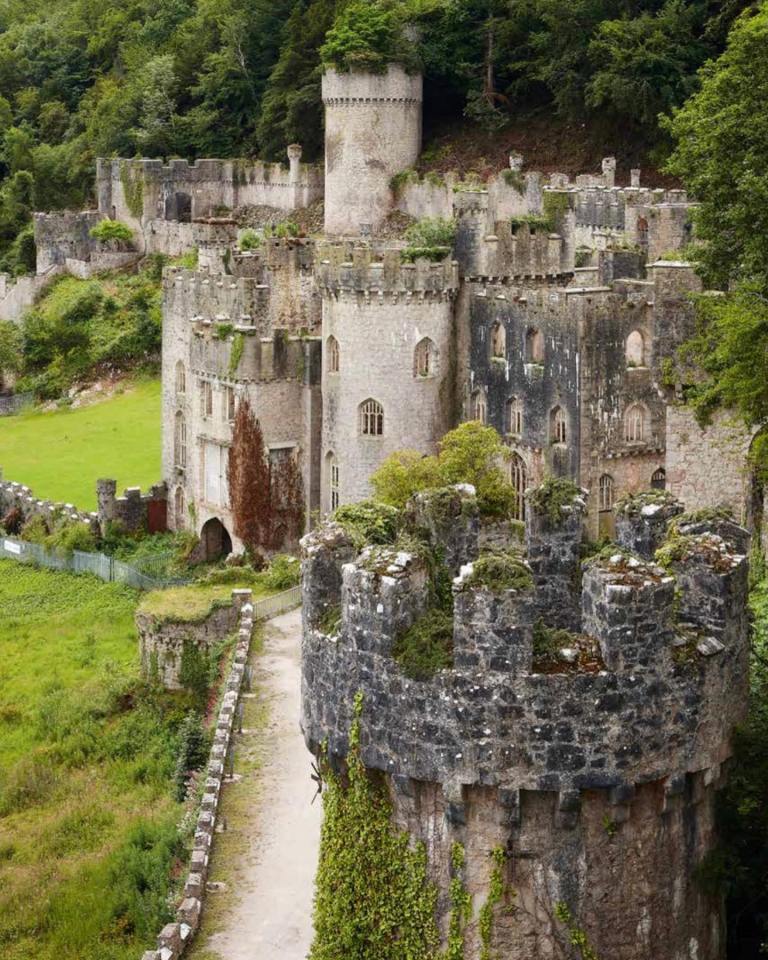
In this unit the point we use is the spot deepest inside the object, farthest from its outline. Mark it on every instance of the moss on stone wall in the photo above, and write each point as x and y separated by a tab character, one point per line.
499	570
132	179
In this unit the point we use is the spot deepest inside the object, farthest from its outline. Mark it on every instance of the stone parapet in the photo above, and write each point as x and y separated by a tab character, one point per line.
347	269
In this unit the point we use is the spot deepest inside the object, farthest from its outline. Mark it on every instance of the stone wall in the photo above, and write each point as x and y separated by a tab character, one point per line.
62	236
17	296
176	936
140	191
17	496
133	510
707	466
597	783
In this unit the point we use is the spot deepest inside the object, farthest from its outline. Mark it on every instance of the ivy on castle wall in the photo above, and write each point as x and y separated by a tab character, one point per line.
132	180
373	900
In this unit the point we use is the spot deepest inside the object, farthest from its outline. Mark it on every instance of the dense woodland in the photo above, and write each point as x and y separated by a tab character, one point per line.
685	80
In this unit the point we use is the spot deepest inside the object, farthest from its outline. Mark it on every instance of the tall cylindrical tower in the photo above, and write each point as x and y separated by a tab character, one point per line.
372	132
388	355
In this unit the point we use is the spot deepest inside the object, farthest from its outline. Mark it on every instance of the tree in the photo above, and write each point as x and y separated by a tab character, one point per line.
721	141
471	454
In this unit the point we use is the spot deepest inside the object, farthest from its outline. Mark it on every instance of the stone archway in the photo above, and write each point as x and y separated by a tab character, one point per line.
215	540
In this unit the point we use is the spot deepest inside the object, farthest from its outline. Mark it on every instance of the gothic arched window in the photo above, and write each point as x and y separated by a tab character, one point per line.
634	349
332	345
498	342
518	477
514	419
534	346
558	426
180	441
634	424
371	418
181	378
606	492
425	358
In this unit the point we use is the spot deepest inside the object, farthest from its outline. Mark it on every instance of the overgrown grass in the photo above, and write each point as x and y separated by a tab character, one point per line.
88	820
194	602
62	454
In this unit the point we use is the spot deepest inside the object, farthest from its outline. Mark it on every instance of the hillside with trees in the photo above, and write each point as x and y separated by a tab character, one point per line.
192	78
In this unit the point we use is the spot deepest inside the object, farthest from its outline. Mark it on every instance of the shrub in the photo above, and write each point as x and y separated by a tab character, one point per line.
553	496
427	646
500	570
193	752
108	231
368	36
369	522
12	521
249	240
429	239
284	571
403	474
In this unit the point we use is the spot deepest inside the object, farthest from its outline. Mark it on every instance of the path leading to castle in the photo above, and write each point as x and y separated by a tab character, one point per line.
273	830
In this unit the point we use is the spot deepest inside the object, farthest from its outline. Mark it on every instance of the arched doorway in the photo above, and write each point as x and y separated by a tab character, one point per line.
215	540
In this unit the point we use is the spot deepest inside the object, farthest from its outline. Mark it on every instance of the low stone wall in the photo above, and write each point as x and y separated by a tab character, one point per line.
134	510
174	937
162	642
16	495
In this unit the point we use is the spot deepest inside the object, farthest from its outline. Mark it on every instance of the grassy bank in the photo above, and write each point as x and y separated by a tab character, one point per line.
88	816
60	455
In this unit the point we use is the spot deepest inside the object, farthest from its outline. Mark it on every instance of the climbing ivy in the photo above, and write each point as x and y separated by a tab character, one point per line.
133	188
576	935
236	353
495	893
461	906
373	900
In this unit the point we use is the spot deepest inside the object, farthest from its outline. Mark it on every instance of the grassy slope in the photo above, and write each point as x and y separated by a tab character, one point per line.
85	796
61	455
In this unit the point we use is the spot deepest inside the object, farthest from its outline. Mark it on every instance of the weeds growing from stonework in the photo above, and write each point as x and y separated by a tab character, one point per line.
90	773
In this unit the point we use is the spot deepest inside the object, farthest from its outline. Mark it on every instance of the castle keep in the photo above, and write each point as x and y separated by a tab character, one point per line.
591	768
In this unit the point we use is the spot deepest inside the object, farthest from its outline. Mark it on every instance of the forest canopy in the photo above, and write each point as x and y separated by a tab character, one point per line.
81	79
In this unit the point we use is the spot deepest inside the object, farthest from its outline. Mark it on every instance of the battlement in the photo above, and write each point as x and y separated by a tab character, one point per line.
345	268
640	690
352	87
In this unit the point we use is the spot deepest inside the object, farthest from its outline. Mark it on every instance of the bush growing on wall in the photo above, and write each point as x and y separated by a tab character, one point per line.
111	231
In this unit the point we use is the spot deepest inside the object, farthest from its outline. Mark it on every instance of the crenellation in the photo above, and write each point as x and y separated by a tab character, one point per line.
495	751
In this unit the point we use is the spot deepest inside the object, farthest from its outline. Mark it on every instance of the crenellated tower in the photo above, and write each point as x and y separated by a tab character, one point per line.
589	757
388	361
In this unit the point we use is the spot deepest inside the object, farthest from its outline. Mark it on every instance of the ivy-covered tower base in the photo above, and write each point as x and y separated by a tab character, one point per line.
559	783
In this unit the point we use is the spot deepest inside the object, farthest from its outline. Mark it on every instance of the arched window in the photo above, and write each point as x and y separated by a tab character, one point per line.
181	378
514	422
333	481
634	424
179	506
206	398
606	492
479	409
371	418
180	441
534	346
558	426
634	349
498	342
332	345
518	477
659	479
642	233
425	358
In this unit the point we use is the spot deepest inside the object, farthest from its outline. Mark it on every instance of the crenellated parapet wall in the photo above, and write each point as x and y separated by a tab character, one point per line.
133	510
145	190
506	749
17	496
346	270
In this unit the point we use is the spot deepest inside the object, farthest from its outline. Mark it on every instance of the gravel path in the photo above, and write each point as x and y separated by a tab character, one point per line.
272	914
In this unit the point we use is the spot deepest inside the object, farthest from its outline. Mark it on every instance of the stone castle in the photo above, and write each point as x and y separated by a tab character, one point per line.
592	769
555	322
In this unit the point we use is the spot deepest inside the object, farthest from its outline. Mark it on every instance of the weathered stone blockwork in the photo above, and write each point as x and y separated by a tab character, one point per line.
598	785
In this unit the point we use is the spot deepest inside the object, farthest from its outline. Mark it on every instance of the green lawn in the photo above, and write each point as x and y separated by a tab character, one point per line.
61	455
88	816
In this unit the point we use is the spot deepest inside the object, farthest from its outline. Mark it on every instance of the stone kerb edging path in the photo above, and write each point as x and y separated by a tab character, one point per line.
174	937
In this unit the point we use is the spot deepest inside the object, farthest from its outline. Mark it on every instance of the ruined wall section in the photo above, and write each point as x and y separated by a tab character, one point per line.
379	311
372	132
599	786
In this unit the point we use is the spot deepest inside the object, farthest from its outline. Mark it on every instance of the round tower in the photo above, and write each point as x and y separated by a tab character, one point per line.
561	785
388	348
372	132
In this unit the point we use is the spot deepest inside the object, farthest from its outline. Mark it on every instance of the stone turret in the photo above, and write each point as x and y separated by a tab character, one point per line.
372	132
388	361
591	759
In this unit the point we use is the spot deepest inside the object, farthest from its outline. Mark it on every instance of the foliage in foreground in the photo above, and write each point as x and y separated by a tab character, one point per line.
373	900
88	818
